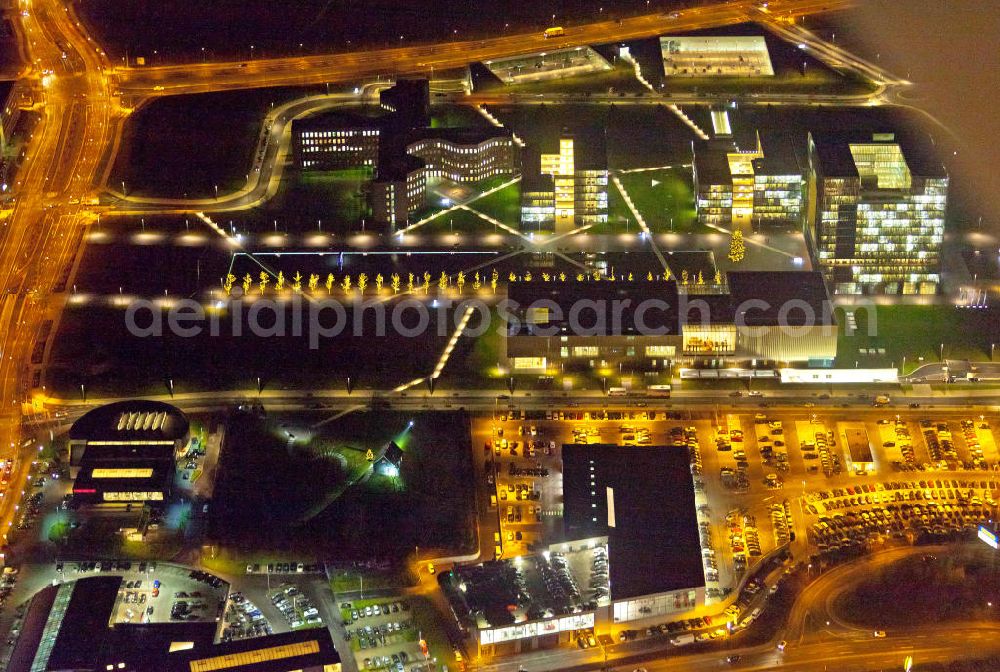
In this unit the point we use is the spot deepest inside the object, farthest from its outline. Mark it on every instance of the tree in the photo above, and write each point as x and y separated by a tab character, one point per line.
264	279
684	277
649	276
718	277
562	277
363	282
409	283
330	280
546	277
394	281
346	284
297	282
247	283
443	282
701	278
493	280
378	283
737	248
477	282
427	282
279	284
313	282
460	281
527	276
227	284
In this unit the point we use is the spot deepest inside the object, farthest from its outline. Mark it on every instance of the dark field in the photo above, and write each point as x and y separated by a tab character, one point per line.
316	493
185	146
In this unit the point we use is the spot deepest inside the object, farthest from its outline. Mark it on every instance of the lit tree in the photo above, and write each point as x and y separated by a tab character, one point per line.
511	277
394	281
264	279
477	282
493	280
597	276
527	276
443	282
579	277
737	248
378	283
546	277
247	283
562	277
330	281
649	276
684	277
427	282
313	282
701	278
227	285
362	282
346	284
718	277
297	282
630	277
460	281
280	282
409	283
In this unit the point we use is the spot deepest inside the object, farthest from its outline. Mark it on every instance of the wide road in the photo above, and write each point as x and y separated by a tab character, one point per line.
142	82
43	234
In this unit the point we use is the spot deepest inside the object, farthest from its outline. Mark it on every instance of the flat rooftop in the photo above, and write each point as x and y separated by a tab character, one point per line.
565	295
131	421
798	293
642	499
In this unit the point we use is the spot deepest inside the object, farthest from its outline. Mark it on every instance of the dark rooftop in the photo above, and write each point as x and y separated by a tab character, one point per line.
835	158
458	135
333	120
136	420
653	546
85	624
604	293
779	289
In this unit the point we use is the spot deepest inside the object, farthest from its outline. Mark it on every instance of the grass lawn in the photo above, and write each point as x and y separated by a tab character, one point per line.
504	205
952	587
457	116
917	332
336	196
185	146
665	198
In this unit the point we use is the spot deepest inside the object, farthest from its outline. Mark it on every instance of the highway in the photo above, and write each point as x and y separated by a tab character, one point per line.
43	235
141	82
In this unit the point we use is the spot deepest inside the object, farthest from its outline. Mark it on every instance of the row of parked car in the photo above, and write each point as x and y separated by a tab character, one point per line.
243	620
297	609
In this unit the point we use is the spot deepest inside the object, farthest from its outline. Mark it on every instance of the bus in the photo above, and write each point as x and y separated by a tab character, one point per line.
557	31
659	390
617	392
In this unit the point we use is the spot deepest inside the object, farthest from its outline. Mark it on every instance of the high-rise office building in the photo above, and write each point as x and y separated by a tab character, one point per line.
877	205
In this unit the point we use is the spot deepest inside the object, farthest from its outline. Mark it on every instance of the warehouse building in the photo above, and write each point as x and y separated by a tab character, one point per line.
641	499
69	627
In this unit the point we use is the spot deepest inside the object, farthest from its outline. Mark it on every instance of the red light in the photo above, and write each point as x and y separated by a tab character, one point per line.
84	491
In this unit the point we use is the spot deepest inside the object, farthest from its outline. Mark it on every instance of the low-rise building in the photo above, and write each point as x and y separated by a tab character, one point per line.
463	154
125	452
335	140
755	320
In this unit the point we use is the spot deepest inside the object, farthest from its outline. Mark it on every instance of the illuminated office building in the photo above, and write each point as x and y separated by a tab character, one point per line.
464	155
334	141
398	190
747	182
579	174
877	206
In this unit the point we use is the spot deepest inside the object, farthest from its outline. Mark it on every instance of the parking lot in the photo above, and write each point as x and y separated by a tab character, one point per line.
750	470
383	635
